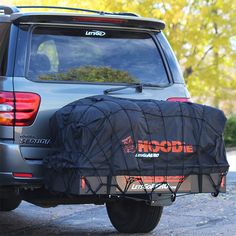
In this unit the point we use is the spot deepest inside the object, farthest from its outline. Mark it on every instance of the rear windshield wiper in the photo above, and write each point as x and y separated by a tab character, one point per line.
138	88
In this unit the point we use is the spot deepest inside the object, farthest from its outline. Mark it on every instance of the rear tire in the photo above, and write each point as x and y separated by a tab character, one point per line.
129	216
9	204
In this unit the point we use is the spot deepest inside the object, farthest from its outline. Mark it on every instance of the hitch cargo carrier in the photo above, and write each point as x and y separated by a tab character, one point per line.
130	185
115	146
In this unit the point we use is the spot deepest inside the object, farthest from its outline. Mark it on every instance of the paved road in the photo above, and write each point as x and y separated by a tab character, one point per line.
198	215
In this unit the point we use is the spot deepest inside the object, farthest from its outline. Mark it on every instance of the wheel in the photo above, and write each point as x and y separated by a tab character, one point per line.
9	204
129	216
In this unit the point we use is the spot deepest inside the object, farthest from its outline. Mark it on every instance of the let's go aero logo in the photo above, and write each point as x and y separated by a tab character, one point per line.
153	148
95	33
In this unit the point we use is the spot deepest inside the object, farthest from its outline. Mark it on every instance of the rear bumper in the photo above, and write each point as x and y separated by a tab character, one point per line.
11	161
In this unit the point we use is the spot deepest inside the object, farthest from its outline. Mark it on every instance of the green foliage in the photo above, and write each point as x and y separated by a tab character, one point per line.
92	74
230	132
201	32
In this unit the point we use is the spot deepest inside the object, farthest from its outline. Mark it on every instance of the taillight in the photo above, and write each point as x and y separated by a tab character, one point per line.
19	108
178	99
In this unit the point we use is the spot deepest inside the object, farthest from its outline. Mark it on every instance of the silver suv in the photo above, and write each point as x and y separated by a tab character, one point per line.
48	60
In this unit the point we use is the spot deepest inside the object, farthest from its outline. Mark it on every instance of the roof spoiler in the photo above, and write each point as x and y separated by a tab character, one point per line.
101	20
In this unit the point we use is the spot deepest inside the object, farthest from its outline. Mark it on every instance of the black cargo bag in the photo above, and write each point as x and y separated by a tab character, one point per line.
109	136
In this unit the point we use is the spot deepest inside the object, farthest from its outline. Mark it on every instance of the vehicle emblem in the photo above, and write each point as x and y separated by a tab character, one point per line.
95	33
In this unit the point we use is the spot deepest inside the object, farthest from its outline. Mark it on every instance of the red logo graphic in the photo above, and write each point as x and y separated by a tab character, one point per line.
152	148
128	145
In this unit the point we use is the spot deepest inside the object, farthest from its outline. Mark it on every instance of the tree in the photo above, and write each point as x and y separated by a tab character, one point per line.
201	32
92	74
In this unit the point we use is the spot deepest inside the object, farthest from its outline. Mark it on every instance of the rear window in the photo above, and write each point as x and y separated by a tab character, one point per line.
101	56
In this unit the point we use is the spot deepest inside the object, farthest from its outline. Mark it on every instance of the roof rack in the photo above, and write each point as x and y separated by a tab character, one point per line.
9	10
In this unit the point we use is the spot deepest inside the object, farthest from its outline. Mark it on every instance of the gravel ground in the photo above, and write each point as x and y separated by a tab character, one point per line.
190	215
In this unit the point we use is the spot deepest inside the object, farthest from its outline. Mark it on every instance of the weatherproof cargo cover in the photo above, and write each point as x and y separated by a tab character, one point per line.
109	136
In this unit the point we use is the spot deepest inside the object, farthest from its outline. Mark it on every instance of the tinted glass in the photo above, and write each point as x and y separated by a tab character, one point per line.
87	55
4	37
